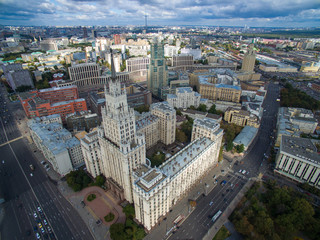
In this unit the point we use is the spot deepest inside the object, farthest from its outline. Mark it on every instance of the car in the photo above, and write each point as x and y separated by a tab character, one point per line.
49	229
210	204
240	170
38	235
39	209
39	225
47	169
42	230
43	162
223	182
35	215
45	222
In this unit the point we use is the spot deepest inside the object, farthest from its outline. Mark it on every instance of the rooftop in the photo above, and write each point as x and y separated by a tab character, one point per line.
178	161
300	147
245	136
164	106
145	121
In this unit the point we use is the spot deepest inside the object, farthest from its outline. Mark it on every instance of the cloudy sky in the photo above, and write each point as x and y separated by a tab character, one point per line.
259	13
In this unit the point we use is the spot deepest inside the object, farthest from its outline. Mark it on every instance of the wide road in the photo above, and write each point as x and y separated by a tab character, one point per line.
26	190
254	162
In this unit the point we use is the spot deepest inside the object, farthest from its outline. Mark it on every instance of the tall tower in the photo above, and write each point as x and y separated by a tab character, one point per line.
249	60
157	72
122	149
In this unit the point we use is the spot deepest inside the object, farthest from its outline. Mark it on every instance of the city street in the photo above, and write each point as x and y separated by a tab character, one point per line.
254	162
33	205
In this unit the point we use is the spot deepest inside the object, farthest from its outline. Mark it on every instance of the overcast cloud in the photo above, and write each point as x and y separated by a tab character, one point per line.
263	13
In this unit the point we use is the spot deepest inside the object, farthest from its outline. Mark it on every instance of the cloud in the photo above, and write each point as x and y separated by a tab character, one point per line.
200	12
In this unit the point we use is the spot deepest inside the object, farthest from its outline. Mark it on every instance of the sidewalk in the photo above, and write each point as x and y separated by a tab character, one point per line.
224	217
162	231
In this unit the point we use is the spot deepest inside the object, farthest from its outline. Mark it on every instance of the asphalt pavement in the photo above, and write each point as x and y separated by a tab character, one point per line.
33	208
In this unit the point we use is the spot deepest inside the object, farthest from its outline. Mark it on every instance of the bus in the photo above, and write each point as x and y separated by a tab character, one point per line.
216	216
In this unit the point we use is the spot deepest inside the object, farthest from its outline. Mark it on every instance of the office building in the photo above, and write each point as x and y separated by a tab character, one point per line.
219	85
116	39
294	121
137	64
241	117
182	60
167	117
57	145
82	121
48	44
84	72
157	72
184	98
16	76
299	160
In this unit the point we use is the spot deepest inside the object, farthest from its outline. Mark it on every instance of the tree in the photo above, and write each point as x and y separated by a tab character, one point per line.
240	148
117	232
202	108
229	146
181	136
129	211
142	108
178	112
157	158
55	67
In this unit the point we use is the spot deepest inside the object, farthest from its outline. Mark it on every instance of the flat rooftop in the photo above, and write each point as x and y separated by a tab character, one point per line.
300	147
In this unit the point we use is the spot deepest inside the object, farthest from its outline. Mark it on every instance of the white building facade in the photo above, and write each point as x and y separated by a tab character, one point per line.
184	98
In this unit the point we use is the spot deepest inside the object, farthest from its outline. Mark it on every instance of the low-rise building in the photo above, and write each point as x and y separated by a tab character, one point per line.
57	144
246	137
84	120
294	121
298	160
241	117
184	98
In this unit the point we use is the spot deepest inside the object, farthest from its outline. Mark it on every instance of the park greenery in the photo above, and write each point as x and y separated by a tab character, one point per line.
213	110
272	212
79	180
239	148
91	197
181	136
222	234
109	217
142	108
231	130
23	88
128	231
292	97
186	128
157	158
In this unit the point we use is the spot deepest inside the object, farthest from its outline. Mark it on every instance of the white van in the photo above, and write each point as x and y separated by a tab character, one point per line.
244	172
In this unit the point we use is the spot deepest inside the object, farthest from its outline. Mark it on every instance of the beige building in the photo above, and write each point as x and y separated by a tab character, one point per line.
167	117
241	117
249	60
156	190
91	152
122	149
149	126
184	98
299	160
182	60
206	127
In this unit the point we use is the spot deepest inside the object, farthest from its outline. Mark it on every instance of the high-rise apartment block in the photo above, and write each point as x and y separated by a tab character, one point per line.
116	39
122	149
157	72
156	190
184	98
249	60
167	116
149	125
92	153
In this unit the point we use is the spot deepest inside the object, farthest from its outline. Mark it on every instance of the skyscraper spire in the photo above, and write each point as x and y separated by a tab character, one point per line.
113	71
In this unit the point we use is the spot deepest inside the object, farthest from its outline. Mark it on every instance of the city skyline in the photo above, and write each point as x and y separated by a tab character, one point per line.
270	13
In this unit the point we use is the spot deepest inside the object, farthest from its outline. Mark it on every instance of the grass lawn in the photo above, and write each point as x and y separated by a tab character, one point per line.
91	197
222	234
